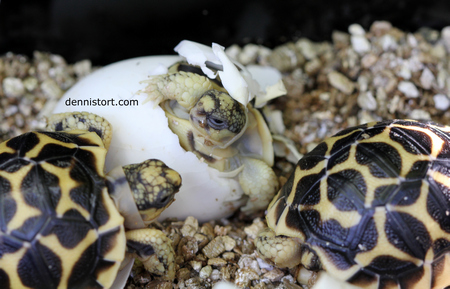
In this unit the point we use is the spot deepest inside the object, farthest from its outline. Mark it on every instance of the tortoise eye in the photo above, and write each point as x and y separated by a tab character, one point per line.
216	123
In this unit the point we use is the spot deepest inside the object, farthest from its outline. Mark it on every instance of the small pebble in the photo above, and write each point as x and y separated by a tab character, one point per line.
380	28
341	82
51	89
445	33
253	229
360	44
368	60
367	101
441	101
409	89
10	110
218	262
30	83
205	272
248	54
13	87
356	29
412	40
388	43
427	78
307	48
274	275
340	39
190	227
196	265
419	114
404	71
82	68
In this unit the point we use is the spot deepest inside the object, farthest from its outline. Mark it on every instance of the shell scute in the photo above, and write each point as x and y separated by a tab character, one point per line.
408	234
382	159
320	150
68	238
294	221
48	151
351	129
338	158
438	204
309	182
85	279
338	257
23	143
363	279
77	138
310	162
344	142
346	190
32	275
413	141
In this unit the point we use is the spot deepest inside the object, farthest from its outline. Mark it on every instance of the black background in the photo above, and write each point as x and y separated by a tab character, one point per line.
110	30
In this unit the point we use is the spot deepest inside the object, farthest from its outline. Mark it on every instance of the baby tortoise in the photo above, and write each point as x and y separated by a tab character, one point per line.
64	223
370	206
218	129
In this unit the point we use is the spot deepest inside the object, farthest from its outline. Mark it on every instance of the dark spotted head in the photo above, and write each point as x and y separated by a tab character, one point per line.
218	117
153	185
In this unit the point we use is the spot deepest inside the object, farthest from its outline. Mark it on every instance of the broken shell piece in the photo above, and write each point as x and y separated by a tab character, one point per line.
235	78
326	281
270	80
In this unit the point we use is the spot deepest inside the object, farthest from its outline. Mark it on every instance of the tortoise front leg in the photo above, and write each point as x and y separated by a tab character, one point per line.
279	250
259	183
154	249
184	87
76	122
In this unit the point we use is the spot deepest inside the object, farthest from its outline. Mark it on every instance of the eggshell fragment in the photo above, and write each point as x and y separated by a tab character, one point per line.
238	80
141	132
326	281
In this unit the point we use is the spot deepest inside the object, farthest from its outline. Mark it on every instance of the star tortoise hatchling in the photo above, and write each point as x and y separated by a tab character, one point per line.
222	132
63	222
370	206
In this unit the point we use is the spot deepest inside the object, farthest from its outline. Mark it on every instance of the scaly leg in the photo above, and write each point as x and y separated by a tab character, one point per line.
154	250
259	182
184	87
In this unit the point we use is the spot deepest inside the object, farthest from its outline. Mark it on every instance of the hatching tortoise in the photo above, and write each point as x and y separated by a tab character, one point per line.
370	206
62	219
224	133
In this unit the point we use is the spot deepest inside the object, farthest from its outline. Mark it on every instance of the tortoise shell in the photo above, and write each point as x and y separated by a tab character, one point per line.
373	202
59	227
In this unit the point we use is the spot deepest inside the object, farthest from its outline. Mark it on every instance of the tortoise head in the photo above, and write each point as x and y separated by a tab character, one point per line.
218	117
153	186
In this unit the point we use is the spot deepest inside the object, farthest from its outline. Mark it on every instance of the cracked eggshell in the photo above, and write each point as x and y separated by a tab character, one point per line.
141	132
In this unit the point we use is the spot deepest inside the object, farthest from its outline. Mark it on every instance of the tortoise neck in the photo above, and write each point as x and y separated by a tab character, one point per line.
120	192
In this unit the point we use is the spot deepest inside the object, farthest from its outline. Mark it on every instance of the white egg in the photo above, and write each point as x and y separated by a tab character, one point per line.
141	132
